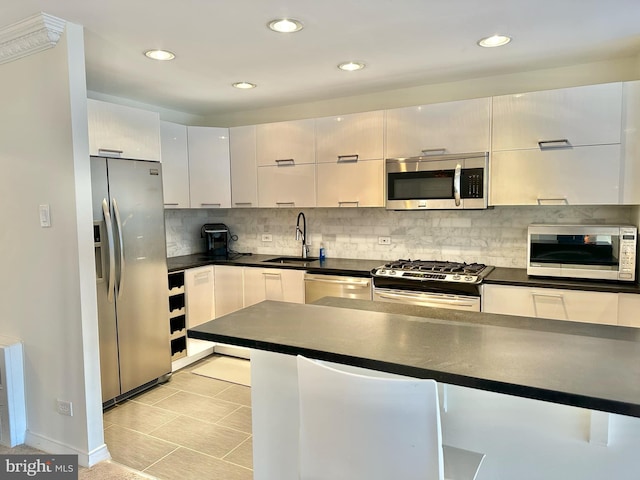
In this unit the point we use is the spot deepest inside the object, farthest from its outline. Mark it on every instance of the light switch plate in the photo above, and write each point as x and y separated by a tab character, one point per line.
45	215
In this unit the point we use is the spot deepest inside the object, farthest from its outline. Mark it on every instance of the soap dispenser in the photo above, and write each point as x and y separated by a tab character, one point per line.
321	254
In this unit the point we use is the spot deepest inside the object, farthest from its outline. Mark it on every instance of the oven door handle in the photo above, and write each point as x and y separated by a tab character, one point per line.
425	297
456	184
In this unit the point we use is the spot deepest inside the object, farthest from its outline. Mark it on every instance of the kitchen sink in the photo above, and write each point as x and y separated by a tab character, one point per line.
292	260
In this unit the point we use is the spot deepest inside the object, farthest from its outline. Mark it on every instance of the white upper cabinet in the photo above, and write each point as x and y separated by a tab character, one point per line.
440	128
560	147
349	151
568	117
175	165
631	143
209	167
287	186
244	174
351	184
350	137
120	131
286	143
576	176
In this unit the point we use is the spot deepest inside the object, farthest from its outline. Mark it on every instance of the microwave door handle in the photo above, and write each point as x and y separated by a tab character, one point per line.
456	184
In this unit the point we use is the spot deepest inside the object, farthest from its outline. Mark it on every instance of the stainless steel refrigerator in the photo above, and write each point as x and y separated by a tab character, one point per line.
131	275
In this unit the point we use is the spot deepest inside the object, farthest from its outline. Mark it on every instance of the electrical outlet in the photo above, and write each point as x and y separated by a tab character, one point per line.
384	240
267	237
65	407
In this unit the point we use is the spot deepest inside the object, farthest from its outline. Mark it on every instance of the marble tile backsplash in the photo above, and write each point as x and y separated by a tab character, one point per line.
496	236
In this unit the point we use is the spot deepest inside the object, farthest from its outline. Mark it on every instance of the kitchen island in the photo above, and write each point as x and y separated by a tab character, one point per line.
496	369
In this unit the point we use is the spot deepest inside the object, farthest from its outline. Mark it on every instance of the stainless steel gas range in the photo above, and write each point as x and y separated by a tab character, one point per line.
430	283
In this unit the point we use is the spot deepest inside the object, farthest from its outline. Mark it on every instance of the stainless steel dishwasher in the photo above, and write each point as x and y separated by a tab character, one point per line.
318	286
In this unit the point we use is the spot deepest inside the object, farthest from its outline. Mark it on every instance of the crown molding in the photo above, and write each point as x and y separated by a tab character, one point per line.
28	36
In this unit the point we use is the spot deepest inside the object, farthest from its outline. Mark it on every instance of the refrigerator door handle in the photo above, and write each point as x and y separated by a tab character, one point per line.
116	212
112	260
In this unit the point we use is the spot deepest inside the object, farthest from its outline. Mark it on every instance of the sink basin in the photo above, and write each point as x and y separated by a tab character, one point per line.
292	260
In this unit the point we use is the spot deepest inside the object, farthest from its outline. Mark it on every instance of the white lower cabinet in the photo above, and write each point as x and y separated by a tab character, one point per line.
629	309
200	307
229	295
273	284
557	304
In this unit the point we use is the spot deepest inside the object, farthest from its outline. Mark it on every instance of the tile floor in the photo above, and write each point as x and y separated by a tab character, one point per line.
193	427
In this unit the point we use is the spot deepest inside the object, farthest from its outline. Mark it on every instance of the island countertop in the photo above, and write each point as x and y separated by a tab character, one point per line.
584	365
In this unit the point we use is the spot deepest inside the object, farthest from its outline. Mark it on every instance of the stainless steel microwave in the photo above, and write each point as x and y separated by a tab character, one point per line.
442	182
603	252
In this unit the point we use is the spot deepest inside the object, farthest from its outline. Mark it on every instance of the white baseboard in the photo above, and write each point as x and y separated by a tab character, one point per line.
85	459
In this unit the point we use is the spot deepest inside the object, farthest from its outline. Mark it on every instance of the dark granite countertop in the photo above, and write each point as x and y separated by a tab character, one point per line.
362	268
585	365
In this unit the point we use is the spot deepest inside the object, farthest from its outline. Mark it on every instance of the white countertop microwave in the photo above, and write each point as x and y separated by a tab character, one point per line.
601	252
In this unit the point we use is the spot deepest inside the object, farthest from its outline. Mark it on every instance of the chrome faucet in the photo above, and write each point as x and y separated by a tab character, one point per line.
302	234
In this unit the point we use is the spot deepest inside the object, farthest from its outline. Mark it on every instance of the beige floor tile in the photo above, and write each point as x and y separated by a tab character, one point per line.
236	394
109	470
185	464
154	395
203	408
190	382
201	436
133	449
138	416
238	420
243	455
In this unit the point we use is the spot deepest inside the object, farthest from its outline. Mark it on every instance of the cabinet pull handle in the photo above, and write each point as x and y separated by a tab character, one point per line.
347	158
171	204
562	200
285	204
110	152
243	203
550	144
216	205
346	204
549	295
269	274
285	161
434	151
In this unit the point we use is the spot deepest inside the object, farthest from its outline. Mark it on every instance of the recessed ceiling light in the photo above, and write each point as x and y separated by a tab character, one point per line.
351	66
285	25
244	85
159	54
494	41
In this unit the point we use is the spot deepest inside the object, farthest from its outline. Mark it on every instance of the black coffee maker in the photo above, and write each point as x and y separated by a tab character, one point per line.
216	237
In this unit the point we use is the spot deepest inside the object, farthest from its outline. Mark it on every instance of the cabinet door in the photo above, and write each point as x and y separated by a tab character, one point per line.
244	172
199	295
287	186
120	131
175	165
631	141
228	289
353	184
557	304
629	309
589	115
209	167
577	176
359	135
452	127
286	142
273	284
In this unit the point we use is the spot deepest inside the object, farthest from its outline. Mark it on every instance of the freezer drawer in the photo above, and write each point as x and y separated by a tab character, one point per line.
318	286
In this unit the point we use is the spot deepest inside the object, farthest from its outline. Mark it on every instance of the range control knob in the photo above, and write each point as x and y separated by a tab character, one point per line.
468	279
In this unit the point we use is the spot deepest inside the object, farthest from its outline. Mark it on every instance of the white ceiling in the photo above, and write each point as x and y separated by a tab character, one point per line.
403	42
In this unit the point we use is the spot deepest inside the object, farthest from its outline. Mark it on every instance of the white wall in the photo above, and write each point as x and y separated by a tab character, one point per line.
47	286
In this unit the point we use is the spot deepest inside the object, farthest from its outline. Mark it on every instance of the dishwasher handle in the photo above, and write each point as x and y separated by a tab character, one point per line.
355	283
